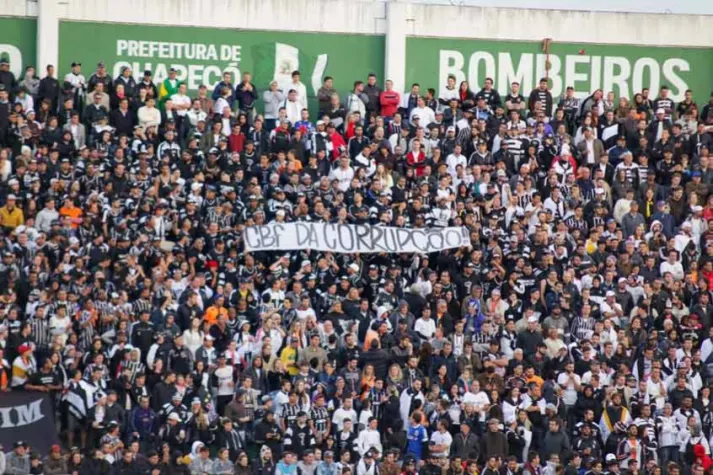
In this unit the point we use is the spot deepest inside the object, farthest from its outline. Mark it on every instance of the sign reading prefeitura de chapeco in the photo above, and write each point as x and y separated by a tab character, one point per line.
202	55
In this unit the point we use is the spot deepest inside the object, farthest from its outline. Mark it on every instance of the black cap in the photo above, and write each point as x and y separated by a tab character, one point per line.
147	72
75	64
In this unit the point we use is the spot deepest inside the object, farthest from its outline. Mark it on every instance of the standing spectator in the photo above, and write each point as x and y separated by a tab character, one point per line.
49	89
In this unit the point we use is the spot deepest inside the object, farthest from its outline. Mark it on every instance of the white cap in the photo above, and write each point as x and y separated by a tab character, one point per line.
610	293
174	417
532	319
599	191
354	266
660	110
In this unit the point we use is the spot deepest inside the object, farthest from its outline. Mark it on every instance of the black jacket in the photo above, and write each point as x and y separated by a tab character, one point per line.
93	114
94	80
49	89
379	359
7	78
123	123
465	447
130	89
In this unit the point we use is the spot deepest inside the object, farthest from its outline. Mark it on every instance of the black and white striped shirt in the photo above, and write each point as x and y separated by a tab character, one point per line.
289	412
320	416
582	328
141	305
524	200
516	147
40	333
573	223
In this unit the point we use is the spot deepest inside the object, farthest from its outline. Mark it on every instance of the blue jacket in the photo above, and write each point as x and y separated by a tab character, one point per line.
143	421
667	221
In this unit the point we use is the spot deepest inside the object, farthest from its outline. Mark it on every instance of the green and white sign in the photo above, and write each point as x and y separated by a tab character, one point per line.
18	43
624	69
201	55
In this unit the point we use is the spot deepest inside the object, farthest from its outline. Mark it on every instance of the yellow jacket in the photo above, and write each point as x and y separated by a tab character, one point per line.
11	218
288	356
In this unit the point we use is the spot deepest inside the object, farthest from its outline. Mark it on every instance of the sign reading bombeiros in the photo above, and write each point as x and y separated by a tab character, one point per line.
584	72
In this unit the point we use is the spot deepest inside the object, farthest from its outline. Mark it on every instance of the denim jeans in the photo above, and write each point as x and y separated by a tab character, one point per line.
668	454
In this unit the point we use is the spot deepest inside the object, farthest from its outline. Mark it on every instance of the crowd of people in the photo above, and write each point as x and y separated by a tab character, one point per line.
572	337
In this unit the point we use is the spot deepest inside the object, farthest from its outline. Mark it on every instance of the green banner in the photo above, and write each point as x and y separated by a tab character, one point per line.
18	43
624	69
201	55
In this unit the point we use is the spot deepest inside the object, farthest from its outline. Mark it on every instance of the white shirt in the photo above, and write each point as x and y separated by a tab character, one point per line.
193	340
453	161
590	151
478	400
569	385
343	176
425	114
301	93
367	439
220	105
194	116
225	381
425	327
655	392
676	269
149	117
448	94
339	416
445	438
181	100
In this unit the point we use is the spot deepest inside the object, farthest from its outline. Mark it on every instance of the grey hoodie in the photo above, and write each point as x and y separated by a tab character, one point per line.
31	84
17	465
273	101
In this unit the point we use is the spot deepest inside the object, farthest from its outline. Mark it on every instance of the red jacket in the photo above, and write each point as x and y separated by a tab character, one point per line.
390	101
417	161
236	142
337	144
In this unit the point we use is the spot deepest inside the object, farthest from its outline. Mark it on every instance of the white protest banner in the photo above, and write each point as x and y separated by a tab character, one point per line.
350	238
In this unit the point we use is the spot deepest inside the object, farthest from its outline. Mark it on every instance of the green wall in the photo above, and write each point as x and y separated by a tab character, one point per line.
202	54
18	43
624	69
